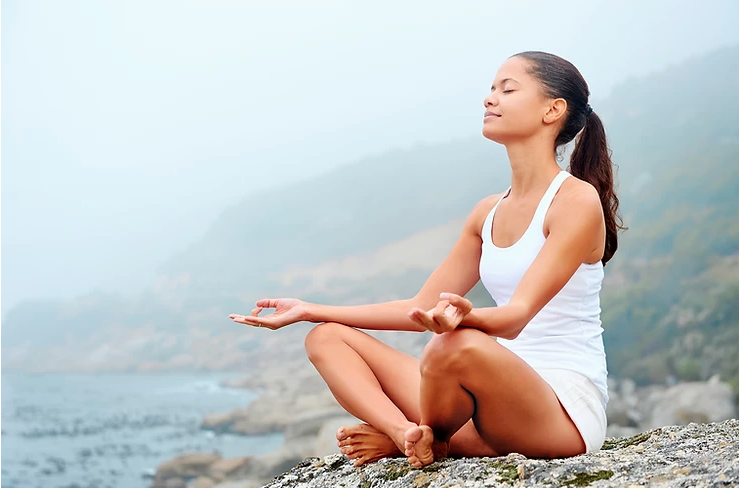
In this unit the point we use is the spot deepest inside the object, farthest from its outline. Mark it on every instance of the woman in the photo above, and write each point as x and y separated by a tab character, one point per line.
529	375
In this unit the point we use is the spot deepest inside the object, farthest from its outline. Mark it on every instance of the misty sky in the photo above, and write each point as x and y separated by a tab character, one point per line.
127	126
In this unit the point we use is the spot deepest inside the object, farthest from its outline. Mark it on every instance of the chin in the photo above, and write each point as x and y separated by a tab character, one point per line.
493	135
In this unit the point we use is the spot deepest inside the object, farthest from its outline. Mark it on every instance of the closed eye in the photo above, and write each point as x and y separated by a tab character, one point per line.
508	91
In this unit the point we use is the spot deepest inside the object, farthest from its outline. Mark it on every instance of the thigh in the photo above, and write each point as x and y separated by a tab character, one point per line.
399	376
516	410
398	373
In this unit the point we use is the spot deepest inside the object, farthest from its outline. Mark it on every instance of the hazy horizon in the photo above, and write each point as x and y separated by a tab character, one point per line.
128	127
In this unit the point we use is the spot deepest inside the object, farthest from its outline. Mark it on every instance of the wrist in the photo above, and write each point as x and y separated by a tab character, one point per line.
310	314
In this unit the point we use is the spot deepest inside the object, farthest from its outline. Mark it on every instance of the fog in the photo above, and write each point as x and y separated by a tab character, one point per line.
128	126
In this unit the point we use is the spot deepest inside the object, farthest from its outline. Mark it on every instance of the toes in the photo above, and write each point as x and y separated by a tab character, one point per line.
410	448
345	442
341	434
351	453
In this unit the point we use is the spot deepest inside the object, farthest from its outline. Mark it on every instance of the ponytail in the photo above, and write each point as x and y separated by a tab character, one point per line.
591	161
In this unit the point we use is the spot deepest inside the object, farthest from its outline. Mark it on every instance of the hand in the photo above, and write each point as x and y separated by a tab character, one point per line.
287	311
445	316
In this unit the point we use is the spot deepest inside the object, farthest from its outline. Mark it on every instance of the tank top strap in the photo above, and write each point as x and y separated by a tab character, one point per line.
546	200
487	226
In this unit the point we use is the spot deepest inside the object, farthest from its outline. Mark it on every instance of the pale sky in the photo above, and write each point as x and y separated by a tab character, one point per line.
128	126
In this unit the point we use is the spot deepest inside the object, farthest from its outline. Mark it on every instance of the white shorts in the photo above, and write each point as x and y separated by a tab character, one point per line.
583	402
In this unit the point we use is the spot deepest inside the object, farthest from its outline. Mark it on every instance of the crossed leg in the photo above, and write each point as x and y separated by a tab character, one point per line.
467	375
380	386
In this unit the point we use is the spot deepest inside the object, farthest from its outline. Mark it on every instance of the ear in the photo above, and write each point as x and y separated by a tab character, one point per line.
557	110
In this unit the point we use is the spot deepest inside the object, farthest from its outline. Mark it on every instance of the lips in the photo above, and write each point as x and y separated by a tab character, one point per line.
491	114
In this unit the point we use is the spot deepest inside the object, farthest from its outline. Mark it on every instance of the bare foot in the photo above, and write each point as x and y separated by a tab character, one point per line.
365	444
421	447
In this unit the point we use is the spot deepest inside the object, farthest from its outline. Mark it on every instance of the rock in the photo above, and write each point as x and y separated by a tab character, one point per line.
692	455
241	484
615	430
688	402
173	483
173	473
272	412
280	460
224	469
326	438
620	412
201	482
310	422
622	408
221	422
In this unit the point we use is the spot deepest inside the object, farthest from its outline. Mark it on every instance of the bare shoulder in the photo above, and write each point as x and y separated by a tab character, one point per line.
480	212
576	198
576	193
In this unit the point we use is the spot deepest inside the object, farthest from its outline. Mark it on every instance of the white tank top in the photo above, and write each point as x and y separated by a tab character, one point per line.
566	333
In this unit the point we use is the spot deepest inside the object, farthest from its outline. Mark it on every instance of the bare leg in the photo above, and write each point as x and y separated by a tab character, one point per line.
366	377
468	375
380	386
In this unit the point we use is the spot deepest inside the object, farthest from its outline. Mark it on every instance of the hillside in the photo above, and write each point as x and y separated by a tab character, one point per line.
375	229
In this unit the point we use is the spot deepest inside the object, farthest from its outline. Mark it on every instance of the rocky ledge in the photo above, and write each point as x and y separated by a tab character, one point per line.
697	455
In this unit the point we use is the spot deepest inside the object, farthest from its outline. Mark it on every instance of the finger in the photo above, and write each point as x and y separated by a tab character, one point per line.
439	311
415	316
423	318
445	316
464	305
249	320
255	312
267	303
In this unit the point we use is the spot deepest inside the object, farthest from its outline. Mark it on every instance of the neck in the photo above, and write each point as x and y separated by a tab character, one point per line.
533	166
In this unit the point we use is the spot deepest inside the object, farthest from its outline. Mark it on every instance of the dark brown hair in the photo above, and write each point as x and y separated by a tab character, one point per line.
591	158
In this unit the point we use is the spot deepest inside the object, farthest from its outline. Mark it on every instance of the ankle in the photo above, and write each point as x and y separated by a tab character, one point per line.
397	434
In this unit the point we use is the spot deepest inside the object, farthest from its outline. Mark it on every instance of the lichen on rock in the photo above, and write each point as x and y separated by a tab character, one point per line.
694	455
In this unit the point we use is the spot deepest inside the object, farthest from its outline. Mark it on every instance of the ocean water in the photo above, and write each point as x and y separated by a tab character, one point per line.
112	430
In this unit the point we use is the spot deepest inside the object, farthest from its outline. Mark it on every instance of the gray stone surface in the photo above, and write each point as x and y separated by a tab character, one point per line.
696	455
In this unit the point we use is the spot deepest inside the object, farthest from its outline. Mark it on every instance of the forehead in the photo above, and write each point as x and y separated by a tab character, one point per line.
516	68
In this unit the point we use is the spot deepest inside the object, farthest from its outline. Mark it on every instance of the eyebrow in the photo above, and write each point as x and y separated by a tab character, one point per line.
503	82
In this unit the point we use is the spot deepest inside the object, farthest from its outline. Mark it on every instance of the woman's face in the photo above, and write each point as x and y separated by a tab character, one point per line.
515	109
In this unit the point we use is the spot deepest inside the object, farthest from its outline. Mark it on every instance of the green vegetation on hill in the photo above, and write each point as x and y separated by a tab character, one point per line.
672	306
671	298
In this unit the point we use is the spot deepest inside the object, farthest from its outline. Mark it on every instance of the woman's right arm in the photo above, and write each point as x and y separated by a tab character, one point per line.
457	274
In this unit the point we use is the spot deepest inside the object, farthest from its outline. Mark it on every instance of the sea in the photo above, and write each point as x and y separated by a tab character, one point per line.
112	430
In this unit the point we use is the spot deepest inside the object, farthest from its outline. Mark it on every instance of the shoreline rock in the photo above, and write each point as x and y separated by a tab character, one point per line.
698	455
300	405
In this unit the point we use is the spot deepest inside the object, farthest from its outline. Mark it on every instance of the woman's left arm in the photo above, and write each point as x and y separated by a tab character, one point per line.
576	231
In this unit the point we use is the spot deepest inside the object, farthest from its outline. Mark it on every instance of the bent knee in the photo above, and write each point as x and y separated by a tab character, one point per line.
455	349
321	336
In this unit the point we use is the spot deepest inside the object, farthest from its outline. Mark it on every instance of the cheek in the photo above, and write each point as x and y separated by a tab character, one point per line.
521	111
517	121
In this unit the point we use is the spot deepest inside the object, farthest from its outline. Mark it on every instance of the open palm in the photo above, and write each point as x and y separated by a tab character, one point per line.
287	311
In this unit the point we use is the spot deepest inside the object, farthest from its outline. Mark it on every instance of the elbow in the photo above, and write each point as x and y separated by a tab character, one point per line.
520	317
512	333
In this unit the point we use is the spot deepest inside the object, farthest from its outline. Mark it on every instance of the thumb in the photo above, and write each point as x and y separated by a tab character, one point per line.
464	305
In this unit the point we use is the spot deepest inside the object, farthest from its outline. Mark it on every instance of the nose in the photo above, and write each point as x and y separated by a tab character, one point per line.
490	100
